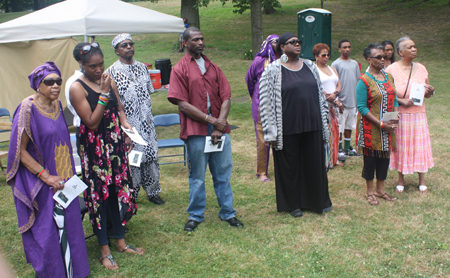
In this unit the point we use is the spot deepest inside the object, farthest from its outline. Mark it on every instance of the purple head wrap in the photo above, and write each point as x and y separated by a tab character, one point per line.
39	73
267	49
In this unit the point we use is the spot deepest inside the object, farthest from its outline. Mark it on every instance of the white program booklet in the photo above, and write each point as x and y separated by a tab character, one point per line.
389	116
209	147
134	136
134	158
72	188
417	93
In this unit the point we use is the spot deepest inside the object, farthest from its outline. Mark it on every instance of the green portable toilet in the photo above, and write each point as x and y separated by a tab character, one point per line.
314	26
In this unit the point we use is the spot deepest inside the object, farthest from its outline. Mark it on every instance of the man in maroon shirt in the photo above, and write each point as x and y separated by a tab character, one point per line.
202	94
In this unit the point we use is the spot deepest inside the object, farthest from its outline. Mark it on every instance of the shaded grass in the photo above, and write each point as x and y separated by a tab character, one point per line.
407	238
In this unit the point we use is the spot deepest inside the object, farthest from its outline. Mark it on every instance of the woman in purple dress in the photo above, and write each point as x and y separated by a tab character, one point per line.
103	152
265	56
39	162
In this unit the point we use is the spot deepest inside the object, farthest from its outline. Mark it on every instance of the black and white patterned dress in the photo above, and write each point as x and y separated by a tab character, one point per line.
134	86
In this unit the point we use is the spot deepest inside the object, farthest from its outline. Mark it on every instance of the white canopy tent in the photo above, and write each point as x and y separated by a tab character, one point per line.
89	18
30	40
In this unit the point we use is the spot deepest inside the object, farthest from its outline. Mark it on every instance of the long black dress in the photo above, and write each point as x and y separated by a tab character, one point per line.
300	167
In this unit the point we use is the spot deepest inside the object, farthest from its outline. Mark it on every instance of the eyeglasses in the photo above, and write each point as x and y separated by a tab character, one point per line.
294	42
125	44
325	55
88	48
379	57
51	82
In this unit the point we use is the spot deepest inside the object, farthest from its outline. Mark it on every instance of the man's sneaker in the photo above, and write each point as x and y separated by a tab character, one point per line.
341	156
352	152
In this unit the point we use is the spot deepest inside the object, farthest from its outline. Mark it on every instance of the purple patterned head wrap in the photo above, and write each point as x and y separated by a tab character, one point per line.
39	73
267	49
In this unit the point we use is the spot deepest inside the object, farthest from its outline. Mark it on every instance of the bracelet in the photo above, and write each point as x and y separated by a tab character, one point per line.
337	93
103	98
101	102
105	95
206	117
381	125
38	174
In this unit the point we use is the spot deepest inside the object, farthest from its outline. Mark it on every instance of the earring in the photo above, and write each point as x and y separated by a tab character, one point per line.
38	90
284	58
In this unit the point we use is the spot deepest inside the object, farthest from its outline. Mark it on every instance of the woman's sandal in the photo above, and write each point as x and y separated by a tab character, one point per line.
372	200
129	247
423	189
111	259
399	189
386	197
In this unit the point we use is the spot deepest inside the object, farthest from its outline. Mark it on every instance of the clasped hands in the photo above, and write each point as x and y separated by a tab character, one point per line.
219	128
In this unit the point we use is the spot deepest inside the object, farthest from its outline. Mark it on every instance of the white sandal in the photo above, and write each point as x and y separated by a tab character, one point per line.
423	189
399	189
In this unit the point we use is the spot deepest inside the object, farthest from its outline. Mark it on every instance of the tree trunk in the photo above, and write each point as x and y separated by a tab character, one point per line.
190	12
14	6
42	4
6	6
257	26
35	5
270	10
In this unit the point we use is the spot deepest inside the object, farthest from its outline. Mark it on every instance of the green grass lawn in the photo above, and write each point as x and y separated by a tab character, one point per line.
406	238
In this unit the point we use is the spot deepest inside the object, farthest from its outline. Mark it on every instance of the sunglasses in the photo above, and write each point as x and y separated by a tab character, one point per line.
88	48
379	57
126	44
325	55
294	42
51	82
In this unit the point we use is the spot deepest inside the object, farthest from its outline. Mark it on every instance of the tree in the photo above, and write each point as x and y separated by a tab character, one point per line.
257	8
39	4
257	27
189	10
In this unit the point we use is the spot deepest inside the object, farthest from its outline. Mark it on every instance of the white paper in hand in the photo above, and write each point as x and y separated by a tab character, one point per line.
134	136
72	188
209	147
417	93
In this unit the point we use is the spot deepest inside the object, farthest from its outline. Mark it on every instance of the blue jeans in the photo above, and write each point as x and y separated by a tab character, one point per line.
220	166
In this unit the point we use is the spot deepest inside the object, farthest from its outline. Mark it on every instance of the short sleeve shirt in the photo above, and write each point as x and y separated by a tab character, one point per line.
187	83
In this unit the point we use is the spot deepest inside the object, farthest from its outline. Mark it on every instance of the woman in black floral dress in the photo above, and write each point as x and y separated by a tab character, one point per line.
103	152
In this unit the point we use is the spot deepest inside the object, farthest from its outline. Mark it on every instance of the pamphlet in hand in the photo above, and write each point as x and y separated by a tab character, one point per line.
134	158
72	188
389	116
417	93
134	136
209	147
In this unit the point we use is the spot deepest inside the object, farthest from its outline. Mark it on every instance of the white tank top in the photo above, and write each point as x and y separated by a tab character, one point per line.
329	83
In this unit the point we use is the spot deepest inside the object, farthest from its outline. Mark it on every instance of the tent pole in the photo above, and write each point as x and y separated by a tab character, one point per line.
85	38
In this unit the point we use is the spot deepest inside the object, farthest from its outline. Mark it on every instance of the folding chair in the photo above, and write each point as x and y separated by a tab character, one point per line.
169	120
5	126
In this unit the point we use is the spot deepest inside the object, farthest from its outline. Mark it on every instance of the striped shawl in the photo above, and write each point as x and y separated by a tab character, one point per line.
270	103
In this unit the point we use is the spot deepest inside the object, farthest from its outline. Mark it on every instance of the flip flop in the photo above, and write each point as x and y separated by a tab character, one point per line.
399	189
111	259
129	247
423	189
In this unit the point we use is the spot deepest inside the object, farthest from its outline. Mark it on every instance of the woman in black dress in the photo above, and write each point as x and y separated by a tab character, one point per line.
294	117
103	152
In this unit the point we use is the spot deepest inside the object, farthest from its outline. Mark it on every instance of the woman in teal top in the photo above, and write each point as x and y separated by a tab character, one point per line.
375	95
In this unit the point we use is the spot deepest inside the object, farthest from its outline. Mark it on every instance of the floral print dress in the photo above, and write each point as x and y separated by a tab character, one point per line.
104	162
